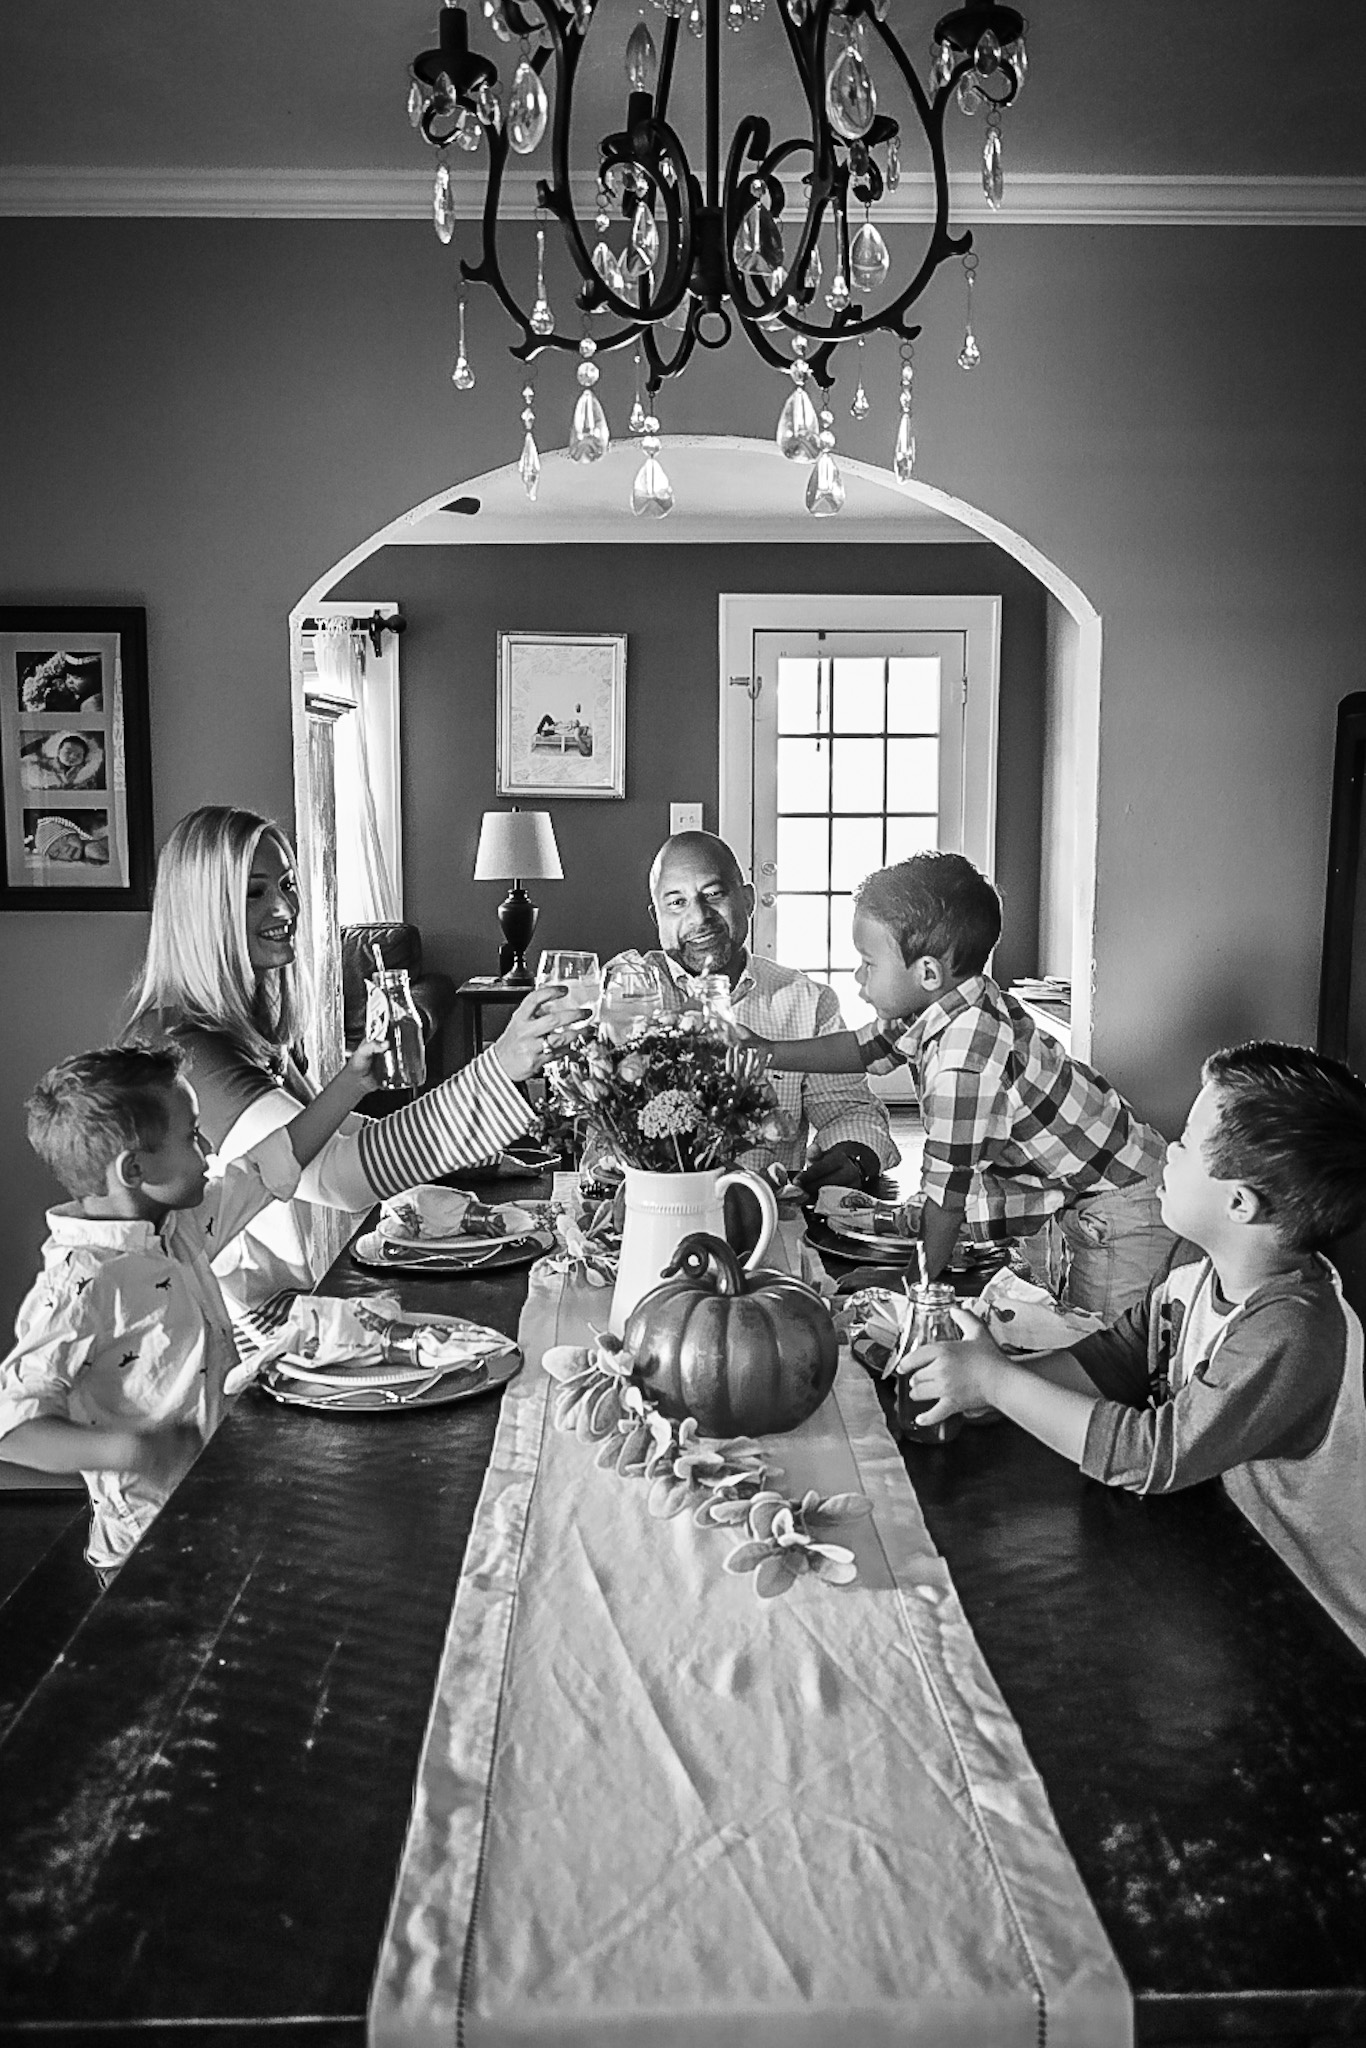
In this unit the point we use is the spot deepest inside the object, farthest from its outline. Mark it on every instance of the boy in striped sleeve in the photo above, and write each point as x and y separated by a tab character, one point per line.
1020	1140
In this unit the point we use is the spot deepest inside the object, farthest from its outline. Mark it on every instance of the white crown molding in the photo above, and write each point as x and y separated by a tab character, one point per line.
1065	199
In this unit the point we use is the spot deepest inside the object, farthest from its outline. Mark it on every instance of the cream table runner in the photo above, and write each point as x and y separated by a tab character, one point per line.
655	1811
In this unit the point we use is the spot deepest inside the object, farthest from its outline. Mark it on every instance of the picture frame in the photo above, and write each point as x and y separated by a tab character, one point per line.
561	715
75	758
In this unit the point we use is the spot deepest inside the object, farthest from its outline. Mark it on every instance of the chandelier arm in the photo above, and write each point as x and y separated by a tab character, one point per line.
558	197
662	367
664	82
489	270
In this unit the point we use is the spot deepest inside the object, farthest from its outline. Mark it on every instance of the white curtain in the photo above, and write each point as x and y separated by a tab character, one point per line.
339	652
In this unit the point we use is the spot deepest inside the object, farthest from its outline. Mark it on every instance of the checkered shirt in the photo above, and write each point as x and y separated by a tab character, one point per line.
1013	1127
824	1109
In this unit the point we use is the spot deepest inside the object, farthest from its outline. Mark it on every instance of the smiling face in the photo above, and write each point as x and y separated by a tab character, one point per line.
272	907
172	1173
702	906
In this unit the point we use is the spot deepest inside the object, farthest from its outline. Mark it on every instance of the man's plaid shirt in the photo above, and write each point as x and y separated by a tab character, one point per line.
824	1109
1013	1127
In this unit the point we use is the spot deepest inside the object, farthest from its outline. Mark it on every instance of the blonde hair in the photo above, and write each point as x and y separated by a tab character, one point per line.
198	967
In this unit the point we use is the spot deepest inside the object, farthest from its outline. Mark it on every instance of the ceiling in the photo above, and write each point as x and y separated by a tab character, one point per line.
1189	89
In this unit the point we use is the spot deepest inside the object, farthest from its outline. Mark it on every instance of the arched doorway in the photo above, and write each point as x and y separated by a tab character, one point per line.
729	486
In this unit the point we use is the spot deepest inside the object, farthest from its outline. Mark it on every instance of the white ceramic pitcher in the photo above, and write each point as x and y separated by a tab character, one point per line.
664	1208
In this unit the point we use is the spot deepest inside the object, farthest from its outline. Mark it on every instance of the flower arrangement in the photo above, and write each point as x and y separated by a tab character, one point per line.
675	1098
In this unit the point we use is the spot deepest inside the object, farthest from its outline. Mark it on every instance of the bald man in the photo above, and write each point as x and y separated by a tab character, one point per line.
702	905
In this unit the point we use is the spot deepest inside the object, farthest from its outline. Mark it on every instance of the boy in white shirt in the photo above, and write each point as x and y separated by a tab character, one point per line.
124	1341
1246	1363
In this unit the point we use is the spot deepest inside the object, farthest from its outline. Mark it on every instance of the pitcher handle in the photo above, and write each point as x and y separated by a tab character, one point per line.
768	1209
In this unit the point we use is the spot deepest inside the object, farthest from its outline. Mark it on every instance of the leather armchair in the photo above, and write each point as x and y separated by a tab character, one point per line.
399	945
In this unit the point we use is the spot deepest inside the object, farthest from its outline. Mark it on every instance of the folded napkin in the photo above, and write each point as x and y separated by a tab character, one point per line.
1023	1317
435	1215
322	1333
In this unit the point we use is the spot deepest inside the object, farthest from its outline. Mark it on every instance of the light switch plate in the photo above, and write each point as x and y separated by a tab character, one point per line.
685	817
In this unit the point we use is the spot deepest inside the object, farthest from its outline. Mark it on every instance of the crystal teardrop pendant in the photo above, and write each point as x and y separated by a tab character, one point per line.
529	468
642	61
797	11
488	106
758	245
824	487
903	455
636	423
799	430
607	267
969	355
497	20
642	251
528	110
812	275
462	376
893	163
850	98
860	405
443	204
942	69
697	21
589	437
993	176
869	260
970	94
651	494
542	319
417	103
467	130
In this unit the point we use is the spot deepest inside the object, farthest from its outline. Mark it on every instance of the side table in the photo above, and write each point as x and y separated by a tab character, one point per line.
483	992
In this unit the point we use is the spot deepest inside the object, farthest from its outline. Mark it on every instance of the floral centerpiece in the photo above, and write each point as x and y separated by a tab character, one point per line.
675	1098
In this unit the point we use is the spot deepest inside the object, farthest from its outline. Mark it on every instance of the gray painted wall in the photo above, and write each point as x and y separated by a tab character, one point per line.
202	416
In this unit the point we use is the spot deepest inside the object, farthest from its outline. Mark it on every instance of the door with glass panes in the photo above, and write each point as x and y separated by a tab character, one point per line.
863	748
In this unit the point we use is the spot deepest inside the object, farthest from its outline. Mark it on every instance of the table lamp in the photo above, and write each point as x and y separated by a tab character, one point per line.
515	846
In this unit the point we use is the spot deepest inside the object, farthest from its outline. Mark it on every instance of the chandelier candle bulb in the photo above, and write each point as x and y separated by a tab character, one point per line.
642	60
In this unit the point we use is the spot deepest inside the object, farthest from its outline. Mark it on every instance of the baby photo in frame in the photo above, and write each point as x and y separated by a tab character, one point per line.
75	768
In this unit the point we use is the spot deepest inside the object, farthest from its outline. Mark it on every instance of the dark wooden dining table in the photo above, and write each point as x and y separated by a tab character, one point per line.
206	1769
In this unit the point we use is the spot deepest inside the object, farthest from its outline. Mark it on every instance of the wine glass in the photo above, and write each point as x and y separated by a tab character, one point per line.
579	973
631	996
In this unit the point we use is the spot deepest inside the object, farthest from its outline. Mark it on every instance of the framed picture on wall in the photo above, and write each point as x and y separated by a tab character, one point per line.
75	759
562	714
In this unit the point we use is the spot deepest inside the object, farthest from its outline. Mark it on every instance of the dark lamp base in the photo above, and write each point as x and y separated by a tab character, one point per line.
517	916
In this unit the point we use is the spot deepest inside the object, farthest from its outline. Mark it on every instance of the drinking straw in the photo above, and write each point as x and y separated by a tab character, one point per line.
920	1261
379	957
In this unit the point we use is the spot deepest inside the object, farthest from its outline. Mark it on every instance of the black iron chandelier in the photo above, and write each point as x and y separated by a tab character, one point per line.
679	262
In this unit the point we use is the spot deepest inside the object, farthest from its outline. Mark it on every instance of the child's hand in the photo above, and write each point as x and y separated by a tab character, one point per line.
164	1456
956	1377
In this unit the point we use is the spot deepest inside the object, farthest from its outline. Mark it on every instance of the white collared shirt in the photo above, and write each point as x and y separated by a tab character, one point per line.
126	1328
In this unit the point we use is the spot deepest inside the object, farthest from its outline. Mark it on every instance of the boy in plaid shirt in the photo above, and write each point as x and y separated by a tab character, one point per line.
1020	1140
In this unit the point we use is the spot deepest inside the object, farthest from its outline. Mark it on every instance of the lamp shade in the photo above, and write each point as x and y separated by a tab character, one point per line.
517	846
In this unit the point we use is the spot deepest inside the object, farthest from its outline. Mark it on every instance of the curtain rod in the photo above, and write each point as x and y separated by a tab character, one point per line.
377	624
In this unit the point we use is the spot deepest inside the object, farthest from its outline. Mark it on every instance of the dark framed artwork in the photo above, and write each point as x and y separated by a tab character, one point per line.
75	759
1342	986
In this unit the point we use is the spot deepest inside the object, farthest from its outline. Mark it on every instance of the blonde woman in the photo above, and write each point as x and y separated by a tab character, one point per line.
221	979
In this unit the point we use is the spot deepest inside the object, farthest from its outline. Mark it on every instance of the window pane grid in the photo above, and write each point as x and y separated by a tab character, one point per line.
858	787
